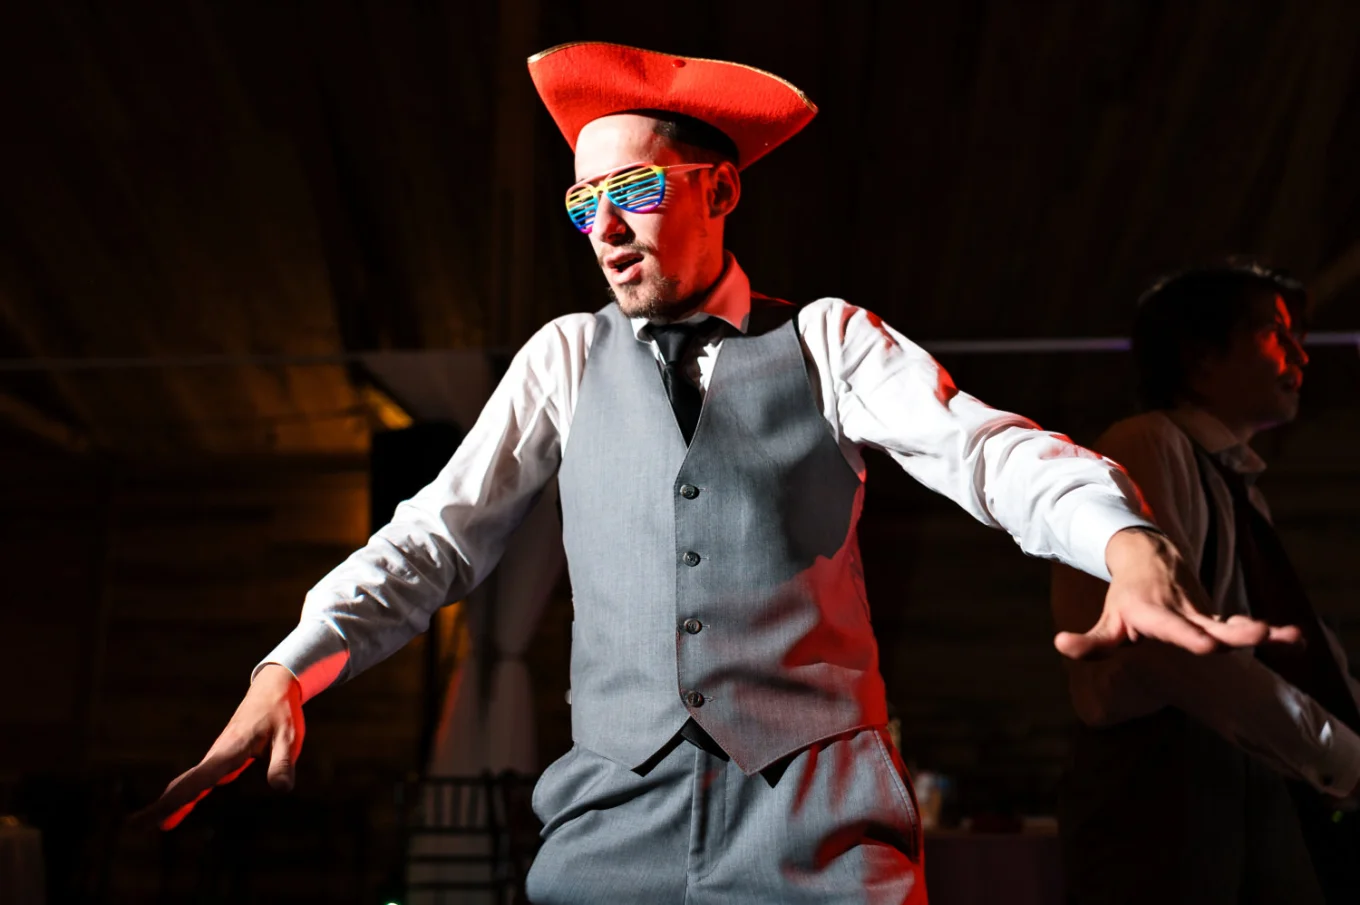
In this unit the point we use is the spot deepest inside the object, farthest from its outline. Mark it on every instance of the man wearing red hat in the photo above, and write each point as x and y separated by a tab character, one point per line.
727	709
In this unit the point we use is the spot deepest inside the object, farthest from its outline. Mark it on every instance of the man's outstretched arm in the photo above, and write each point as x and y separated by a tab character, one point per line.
1056	499
440	545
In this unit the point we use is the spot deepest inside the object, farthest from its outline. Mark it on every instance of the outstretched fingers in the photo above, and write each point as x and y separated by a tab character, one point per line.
269	718
1193	603
1106	634
190	787
1114	630
1178	622
1243	631
1182	628
286	746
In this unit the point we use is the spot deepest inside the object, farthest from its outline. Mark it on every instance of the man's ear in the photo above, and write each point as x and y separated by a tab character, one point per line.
724	189
1197	361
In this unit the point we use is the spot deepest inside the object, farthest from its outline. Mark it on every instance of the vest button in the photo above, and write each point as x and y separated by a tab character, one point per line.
689	491
693	626
694	699
690	558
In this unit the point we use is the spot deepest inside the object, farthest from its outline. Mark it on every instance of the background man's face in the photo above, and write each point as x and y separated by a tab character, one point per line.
1256	380
657	260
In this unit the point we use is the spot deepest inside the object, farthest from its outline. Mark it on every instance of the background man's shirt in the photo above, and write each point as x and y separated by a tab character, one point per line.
1231	692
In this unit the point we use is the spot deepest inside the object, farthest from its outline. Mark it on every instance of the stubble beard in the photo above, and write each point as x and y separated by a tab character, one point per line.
657	299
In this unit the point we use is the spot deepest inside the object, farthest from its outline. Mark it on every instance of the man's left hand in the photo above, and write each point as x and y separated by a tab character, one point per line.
1154	594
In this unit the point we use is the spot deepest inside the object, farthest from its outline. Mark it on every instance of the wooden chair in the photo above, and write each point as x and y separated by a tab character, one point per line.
455	839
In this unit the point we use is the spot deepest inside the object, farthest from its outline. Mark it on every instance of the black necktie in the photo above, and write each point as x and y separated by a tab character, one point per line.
673	340
1277	596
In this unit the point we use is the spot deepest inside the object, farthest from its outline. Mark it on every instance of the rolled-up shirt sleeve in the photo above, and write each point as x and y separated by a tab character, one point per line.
444	541
1056	499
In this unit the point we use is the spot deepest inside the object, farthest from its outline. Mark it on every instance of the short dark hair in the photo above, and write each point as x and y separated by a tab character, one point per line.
712	144
1190	313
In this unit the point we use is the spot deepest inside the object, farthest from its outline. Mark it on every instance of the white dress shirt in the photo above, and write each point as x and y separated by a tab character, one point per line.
874	387
1233	693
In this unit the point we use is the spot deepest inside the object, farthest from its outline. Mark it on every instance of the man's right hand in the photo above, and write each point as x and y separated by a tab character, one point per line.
269	720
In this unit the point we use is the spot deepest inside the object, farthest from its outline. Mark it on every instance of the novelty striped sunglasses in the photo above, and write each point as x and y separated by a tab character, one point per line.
636	188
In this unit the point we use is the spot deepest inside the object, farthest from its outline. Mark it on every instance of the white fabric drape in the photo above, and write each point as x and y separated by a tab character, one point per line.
487	721
488	717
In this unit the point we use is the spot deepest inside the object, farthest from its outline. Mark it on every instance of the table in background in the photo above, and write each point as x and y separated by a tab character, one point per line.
964	868
21	864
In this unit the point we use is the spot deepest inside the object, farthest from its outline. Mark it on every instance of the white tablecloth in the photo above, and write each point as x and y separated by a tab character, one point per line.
21	865
988	868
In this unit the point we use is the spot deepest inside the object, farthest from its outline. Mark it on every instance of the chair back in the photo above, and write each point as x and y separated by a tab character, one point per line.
455	840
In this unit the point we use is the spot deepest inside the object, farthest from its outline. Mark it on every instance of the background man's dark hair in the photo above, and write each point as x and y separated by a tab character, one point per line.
709	143
1192	313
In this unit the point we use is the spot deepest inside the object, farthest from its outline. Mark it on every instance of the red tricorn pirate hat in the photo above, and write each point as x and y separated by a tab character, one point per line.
583	81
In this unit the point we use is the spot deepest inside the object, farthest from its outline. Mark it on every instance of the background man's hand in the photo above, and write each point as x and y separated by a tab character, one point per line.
269	719
1154	594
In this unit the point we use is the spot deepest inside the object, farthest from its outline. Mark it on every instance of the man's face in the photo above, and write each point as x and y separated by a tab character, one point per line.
657	261
1255	381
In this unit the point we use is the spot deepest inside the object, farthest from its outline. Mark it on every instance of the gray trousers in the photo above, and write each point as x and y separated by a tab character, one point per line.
834	823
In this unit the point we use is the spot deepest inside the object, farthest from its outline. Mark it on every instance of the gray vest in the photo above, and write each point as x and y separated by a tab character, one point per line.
720	581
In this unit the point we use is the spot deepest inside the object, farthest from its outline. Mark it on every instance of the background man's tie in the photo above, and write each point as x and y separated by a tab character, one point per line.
1277	596
673	340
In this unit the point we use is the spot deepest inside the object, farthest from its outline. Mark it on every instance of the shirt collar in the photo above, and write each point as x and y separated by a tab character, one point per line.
729	300
1217	439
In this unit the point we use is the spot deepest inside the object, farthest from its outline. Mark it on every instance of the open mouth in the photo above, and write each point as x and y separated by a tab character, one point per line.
624	267
620	263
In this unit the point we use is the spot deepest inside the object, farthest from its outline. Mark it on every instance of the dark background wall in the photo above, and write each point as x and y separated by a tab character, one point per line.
207	209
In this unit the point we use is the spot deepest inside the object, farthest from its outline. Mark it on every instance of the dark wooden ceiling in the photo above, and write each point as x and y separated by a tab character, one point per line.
288	180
